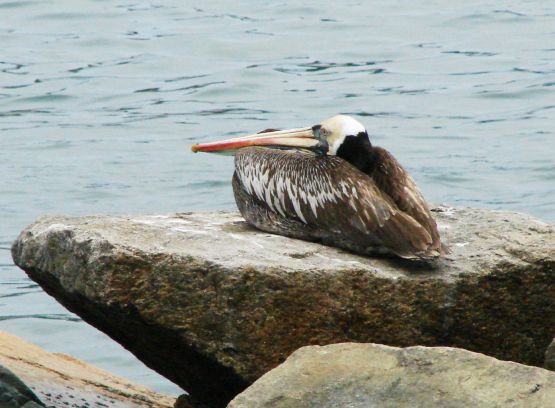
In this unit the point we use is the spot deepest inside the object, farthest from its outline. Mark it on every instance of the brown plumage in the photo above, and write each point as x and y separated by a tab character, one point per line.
328	183
381	212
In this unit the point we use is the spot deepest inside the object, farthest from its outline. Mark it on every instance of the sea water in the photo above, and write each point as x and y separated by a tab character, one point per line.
101	100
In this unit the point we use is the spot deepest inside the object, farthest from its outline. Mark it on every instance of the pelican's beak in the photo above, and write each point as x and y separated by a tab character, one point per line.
292	138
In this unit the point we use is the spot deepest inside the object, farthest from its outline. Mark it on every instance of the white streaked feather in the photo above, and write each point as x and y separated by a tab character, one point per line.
318	189
305	187
328	194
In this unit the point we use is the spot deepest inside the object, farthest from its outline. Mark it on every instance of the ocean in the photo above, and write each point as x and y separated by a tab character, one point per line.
100	102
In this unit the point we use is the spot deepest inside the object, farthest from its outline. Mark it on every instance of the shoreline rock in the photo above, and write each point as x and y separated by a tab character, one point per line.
372	375
14	392
61	380
212	304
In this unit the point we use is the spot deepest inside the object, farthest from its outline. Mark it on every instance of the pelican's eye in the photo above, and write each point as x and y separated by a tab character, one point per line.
324	132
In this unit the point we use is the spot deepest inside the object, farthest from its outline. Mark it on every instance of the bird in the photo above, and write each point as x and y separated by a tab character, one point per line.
328	183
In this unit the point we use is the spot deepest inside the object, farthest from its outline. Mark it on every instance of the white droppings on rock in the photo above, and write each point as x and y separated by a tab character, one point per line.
446	211
241	238
55	227
192	231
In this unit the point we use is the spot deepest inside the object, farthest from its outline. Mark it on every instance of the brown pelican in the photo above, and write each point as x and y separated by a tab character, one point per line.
328	183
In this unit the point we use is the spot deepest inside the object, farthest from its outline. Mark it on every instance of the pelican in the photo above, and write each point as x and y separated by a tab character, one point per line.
328	183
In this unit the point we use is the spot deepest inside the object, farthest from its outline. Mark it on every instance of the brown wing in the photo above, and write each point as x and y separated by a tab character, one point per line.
394	180
329	195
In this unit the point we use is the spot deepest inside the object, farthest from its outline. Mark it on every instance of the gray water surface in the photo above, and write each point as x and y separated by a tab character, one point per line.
101	100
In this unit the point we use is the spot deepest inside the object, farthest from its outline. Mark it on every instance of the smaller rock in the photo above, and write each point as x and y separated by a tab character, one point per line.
63	381
550	356
14	392
371	375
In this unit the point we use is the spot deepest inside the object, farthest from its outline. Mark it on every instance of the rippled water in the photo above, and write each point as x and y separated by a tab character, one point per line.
100	101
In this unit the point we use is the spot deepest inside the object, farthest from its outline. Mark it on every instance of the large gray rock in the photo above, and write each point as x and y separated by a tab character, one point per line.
372	375
213	304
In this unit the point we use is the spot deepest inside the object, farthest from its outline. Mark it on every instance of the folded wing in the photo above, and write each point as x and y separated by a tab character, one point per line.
330	196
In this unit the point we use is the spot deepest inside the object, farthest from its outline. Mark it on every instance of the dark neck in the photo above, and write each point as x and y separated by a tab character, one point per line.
357	150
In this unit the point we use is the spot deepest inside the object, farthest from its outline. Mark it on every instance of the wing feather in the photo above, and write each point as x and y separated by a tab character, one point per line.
396	182
330	196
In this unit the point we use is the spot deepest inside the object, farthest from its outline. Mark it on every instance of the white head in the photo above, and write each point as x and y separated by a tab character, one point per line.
336	129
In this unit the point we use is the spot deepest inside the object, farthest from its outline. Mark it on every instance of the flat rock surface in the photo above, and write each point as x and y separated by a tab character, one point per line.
59	380
371	375
213	304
